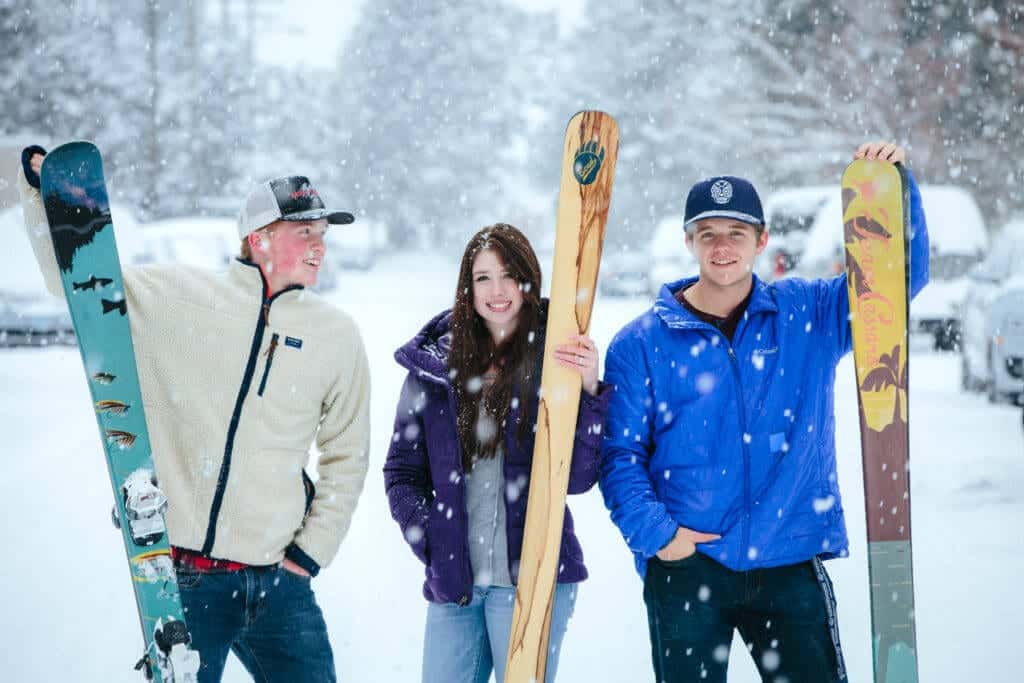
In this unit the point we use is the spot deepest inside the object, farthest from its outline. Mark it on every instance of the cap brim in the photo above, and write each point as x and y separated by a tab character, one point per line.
735	215
340	218
332	217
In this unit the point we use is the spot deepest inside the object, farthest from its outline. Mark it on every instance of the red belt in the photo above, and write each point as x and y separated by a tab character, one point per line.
197	562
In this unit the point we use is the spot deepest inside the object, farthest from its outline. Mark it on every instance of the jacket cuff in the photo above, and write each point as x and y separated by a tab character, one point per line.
31	177
593	409
598	401
663	536
299	557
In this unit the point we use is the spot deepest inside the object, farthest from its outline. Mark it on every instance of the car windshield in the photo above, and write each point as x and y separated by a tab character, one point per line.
951	266
784	222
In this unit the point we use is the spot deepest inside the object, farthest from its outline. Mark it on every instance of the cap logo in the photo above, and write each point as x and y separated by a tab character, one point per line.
304	192
721	191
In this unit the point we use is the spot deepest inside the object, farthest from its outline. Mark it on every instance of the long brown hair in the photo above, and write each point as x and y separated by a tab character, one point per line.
473	350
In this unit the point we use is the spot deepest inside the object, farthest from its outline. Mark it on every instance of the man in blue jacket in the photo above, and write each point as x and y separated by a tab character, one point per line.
718	461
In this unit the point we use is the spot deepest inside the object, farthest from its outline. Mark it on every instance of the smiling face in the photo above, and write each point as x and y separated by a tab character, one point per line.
290	252
725	250
497	295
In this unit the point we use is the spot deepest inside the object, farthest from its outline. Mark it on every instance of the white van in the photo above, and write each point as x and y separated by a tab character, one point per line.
958	241
669	257
789	213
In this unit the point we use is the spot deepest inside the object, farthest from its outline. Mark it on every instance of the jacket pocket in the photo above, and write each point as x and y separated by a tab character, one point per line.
681	562
309	488
270	360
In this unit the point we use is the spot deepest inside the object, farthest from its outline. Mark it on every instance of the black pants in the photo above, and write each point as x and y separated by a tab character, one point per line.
786	615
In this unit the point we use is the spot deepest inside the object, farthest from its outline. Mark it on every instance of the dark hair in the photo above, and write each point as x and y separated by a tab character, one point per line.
473	350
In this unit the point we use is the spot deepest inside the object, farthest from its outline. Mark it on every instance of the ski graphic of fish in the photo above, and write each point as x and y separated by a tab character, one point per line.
109	407
92	283
104	377
121	439
119	306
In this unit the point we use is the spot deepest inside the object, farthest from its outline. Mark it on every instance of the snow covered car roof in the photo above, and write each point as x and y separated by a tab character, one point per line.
955	226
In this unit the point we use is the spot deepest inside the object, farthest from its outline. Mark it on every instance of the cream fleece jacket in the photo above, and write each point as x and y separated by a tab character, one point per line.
231	423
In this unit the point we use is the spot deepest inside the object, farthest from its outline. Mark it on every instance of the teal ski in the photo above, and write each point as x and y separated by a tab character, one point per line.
78	212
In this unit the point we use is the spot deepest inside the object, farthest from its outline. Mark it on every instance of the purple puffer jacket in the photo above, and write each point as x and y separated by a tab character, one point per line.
423	475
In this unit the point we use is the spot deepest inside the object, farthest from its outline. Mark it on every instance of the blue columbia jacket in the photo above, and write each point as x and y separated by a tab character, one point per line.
735	439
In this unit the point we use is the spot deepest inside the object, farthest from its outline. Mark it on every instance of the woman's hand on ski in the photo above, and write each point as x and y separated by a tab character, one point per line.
881	150
580	355
684	544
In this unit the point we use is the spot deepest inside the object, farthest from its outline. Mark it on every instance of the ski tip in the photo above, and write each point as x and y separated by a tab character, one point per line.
80	146
871	167
61	161
603	118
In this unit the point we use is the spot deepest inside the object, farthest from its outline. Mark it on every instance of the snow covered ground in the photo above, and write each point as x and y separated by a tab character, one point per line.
67	605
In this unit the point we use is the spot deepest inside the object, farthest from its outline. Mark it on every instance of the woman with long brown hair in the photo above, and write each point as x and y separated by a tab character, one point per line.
457	472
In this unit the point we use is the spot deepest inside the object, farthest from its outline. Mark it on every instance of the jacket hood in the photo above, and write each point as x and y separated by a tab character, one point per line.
427	353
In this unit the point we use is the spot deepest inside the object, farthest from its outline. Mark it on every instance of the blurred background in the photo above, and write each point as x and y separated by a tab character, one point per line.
429	120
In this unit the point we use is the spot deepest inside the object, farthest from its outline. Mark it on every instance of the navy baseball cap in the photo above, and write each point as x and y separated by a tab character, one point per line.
723	196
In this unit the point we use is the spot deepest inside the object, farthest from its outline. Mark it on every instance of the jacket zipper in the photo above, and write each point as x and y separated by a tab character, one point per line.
262	320
467	595
270	360
741	409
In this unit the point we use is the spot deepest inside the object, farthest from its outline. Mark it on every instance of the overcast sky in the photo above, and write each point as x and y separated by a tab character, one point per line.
310	32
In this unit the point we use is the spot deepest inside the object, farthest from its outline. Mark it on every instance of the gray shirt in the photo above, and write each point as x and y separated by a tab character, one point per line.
485	506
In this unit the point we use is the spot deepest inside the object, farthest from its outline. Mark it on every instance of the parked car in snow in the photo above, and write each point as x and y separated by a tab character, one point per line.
29	314
789	213
958	240
357	245
210	243
669	257
992	341
194	241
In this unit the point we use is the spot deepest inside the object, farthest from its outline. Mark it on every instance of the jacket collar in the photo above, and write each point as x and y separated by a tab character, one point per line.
675	315
427	353
249	277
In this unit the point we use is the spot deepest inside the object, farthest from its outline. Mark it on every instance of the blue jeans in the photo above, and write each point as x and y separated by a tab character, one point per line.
786	615
267	616
464	644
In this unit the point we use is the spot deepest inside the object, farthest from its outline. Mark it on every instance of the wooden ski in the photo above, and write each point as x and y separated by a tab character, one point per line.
588	169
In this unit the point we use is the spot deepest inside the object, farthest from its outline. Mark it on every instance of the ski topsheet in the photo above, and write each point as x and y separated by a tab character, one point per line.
78	212
588	169
875	219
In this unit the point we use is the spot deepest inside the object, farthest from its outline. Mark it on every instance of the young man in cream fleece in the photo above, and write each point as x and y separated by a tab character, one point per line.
240	373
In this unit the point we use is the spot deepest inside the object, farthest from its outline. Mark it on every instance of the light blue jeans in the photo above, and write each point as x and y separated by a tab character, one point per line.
464	644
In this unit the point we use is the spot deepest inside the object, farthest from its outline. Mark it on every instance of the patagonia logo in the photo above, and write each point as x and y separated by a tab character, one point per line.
293	342
588	162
